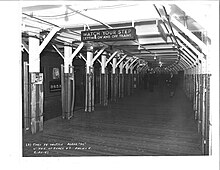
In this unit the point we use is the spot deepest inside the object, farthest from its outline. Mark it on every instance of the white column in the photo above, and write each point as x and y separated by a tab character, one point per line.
103	61
89	61
131	70
127	68
121	67
67	58
34	56
114	65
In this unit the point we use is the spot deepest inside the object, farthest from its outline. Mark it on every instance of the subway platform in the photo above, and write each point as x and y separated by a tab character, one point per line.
144	124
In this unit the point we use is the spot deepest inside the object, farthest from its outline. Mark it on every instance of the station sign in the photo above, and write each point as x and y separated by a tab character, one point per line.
119	34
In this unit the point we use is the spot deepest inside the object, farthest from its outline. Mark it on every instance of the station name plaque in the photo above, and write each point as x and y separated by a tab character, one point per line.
119	34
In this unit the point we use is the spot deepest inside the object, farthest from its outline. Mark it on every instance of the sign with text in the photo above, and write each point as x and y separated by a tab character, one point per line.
55	86
119	34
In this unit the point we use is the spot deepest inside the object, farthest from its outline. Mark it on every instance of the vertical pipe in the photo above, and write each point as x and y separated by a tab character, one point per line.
26	102
73	91
135	80
92	89
114	79
63	91
120	79
34	56
106	87
66	84
103	80
33	104
122	84
36	86
68	93
112	86
41	100
86	94
89	83
131	80
100	87
126	79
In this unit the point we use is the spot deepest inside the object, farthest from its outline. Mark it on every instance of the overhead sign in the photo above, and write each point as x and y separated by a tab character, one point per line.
119	34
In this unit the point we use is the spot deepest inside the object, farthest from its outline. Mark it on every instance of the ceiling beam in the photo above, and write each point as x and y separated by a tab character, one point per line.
115	25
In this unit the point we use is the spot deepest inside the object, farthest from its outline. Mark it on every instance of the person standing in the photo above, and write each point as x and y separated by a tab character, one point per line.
151	81
171	84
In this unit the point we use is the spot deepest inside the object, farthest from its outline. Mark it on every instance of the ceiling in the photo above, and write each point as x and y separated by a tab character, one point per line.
159	42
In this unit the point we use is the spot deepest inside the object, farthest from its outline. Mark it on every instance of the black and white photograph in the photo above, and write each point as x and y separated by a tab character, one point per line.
106	82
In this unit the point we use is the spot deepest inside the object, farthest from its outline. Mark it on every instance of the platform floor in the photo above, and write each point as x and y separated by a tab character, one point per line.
146	123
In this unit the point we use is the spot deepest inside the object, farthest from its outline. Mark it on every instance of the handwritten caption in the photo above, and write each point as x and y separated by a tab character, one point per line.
45	148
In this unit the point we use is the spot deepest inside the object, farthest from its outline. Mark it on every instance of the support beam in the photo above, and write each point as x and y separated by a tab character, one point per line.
187	66
111	57
179	67
121	68
186	56
82	57
89	101
126	68
98	54
190	53
127	62
25	46
58	51
103	81
77	50
48	38
176	67
99	61
67	59
187	62
142	68
173	68
121	60
183	64
114	65
188	44
103	64
89	61
133	62
34	55
135	65
190	35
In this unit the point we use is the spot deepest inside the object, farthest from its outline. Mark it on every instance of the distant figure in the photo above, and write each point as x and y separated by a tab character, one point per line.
145	81
151	82
171	82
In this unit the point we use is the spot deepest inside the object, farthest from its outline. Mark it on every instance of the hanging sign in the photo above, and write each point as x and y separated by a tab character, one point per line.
119	34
